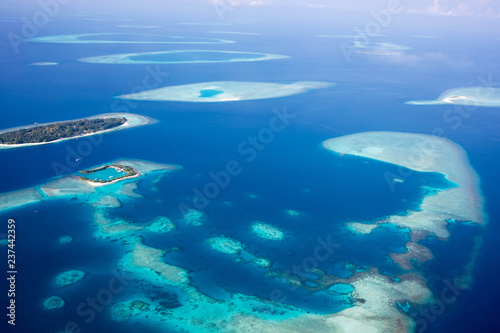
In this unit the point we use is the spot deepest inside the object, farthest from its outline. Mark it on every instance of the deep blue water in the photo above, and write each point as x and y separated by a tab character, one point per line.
292	172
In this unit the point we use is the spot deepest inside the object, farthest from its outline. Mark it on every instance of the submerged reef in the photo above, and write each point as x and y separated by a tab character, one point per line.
361	228
194	217
53	302
65	239
125	310
148	260
470	96
69	277
161	224
225	245
225	91
462	201
267	231
370	297
292	212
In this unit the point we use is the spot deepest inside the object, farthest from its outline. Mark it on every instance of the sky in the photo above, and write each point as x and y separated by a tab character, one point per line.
472	8
479	8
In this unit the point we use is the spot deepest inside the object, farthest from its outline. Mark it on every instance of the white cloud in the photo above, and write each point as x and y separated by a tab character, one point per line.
236	3
430	59
472	8
478	8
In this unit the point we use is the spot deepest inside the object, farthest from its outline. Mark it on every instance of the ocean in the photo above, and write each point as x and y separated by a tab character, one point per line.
292	172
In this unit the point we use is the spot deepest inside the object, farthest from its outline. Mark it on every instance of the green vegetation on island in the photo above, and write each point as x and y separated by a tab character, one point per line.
60	130
119	167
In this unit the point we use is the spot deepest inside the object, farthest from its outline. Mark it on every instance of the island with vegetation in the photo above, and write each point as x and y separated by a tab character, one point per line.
61	130
39	134
123	171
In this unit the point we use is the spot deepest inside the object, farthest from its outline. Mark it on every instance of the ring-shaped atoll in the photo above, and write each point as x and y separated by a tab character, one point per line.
121	38
468	96
181	57
226	91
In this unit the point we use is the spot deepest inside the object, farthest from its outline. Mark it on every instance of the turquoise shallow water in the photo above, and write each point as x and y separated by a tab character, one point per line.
291	172
210	93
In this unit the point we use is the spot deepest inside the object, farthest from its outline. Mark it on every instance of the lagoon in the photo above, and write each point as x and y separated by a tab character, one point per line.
107	174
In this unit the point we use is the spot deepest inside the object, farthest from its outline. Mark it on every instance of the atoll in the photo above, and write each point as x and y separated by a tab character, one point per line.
125	38
470	96
225	91
181	57
70	185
